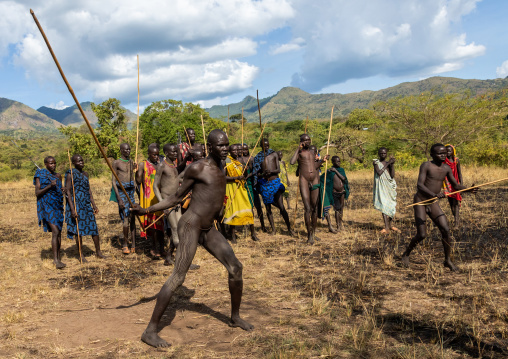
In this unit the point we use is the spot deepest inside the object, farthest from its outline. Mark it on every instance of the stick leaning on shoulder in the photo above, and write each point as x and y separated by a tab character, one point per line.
82	112
326	162
462	190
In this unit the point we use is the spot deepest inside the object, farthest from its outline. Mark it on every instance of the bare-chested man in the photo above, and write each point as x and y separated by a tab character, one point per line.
165	184
208	184
340	193
309	183
124	168
272	189
185	148
430	182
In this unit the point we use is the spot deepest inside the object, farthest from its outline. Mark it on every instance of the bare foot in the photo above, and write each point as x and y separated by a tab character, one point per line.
151	338
405	261
448	264
254	238
317	238
100	255
59	265
263	229
334	231
194	266
169	260
238	322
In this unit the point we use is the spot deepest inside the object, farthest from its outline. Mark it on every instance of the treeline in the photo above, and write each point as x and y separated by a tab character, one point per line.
407	126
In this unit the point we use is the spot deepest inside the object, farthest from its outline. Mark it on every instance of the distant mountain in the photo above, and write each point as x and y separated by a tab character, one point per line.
291	103
70	116
15	116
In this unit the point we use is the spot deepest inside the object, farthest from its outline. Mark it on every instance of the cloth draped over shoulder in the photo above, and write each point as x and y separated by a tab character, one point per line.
258	162
329	196
385	191
185	149
447	186
86	223
50	204
147	198
238	205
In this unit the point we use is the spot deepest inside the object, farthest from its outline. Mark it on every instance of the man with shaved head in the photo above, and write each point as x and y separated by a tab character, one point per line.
207	181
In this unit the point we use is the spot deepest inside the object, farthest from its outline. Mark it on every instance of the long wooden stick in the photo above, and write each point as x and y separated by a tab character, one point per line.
326	162
204	140
242	125
137	123
462	190
186	134
243	172
75	208
81	111
153	223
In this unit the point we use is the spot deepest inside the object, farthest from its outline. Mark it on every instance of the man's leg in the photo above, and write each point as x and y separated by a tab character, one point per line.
97	244
307	208
455	207
269	214
387	222
132	226
314	195
253	233
442	223
218	247
259	209
279	203
56	240
189	234
421	232
125	229
329	221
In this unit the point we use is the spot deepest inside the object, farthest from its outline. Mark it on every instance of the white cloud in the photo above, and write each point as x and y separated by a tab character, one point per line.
359	39
57	106
293	45
191	50
502	71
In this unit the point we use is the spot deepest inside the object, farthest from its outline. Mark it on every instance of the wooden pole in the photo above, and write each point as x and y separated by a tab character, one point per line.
243	172
75	208
462	190
242	125
186	134
204	140
326	162
137	123
81	111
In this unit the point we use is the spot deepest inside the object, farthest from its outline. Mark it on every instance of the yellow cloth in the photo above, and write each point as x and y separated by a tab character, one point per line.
148	198
238	208
283	178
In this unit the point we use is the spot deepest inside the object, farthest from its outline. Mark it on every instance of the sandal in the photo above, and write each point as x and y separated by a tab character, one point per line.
395	229
125	250
384	231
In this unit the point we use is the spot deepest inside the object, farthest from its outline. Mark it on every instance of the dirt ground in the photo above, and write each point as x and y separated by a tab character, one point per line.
344	297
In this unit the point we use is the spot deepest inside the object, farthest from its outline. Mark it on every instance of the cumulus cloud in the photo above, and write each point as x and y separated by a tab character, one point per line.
502	71
350	40
294	45
188	50
60	105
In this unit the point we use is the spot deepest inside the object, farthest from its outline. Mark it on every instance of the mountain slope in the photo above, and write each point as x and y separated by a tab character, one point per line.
16	116
291	103
70	116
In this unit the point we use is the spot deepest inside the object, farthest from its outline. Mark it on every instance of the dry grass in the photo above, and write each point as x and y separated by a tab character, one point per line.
344	297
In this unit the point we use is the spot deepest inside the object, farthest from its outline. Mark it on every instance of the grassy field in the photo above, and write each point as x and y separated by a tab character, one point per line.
345	297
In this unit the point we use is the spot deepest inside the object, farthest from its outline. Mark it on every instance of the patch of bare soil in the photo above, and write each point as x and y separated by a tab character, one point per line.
344	297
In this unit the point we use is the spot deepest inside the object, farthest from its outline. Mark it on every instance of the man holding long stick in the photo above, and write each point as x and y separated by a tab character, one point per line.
309	183
208	184
430	181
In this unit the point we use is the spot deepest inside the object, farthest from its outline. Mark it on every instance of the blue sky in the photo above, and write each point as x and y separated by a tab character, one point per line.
218	52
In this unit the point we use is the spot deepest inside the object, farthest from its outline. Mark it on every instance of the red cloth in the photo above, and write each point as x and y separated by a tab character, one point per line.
184	149
448	188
